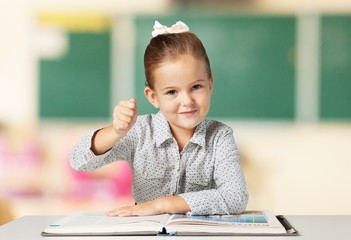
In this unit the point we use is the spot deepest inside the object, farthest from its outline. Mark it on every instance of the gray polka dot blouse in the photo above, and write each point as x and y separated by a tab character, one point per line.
207	173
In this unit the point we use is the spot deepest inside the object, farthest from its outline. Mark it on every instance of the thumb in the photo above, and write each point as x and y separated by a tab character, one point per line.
133	103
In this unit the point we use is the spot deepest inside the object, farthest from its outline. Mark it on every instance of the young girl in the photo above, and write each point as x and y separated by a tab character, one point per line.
181	162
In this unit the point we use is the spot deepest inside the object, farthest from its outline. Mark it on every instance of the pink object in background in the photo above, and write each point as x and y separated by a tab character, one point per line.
29	155
25	159
123	180
3	151
115	183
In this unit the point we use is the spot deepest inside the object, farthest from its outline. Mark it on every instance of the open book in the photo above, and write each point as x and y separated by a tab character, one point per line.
99	224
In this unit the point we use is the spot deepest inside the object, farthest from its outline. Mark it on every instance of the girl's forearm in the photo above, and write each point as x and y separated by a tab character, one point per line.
173	204
103	140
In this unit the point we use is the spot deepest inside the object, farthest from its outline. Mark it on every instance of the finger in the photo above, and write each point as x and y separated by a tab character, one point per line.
125	214
123	118
132	101
114	212
129	104
125	110
128	112
134	107
132	104
121	212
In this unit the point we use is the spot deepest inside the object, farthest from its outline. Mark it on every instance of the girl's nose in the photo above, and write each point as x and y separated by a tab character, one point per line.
186	99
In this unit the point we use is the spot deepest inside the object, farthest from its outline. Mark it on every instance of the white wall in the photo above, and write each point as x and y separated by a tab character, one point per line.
297	168
17	63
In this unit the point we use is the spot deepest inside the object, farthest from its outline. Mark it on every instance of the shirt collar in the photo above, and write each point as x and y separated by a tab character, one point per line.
199	136
160	122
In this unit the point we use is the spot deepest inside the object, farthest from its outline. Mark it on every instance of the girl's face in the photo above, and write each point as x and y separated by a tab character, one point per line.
182	91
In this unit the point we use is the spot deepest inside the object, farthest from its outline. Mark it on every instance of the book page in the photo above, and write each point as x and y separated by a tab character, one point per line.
99	222
255	217
254	222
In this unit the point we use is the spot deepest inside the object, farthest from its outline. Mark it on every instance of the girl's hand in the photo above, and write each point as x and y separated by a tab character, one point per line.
124	117
169	204
143	209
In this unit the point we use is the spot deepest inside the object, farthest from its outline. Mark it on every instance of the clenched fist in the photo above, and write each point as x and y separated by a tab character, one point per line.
124	115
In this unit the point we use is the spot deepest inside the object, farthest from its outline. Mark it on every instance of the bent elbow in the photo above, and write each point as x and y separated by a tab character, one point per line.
241	204
75	163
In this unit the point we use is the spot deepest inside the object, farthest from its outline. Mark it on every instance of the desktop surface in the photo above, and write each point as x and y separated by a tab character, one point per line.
309	227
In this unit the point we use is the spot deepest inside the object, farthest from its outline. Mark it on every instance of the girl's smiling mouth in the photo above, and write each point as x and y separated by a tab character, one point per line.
188	113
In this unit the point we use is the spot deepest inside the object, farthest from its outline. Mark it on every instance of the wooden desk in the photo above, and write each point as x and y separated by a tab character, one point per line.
309	227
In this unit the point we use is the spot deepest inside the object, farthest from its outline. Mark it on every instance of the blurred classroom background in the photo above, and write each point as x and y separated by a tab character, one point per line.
282	82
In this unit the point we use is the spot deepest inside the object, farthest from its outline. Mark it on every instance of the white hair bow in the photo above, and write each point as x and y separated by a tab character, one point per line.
179	27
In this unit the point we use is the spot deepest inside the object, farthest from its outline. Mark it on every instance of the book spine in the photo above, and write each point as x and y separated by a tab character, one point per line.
289	229
164	232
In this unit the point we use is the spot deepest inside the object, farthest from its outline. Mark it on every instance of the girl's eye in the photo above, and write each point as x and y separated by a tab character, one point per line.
171	92
196	87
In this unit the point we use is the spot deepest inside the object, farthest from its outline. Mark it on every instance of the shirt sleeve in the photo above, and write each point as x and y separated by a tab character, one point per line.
82	158
229	196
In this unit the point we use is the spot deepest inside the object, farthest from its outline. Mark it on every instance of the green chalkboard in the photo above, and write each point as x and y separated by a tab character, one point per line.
252	59
335	92
77	85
